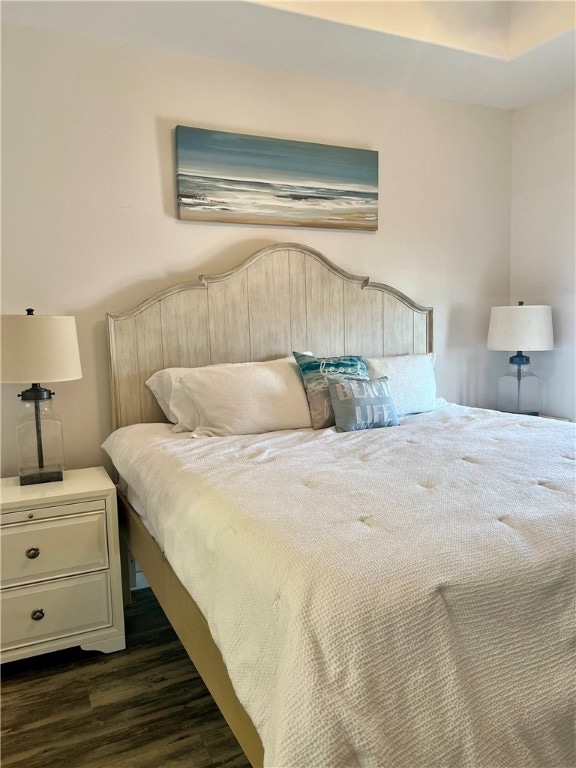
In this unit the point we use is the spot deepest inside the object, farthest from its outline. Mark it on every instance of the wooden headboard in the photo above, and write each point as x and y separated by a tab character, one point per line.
285	297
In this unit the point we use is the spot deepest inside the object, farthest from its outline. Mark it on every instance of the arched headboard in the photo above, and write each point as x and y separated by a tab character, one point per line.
285	297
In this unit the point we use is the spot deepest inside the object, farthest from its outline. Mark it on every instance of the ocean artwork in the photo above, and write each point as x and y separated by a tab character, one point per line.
234	177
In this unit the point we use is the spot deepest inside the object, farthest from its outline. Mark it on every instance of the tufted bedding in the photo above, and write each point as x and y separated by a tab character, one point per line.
393	598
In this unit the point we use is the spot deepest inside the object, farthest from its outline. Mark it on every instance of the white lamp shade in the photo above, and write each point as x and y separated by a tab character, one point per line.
526	328
39	348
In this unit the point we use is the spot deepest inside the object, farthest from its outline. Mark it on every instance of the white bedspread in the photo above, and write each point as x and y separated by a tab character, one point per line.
398	598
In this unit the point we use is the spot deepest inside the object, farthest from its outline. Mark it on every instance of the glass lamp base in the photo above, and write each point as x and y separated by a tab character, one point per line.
39	438
519	392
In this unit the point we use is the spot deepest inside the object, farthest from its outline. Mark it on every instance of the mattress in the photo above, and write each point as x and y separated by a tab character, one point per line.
400	597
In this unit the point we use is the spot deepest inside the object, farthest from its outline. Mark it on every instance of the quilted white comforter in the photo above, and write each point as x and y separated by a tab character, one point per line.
398	598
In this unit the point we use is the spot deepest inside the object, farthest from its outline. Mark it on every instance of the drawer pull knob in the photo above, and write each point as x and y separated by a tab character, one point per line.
37	614
32	552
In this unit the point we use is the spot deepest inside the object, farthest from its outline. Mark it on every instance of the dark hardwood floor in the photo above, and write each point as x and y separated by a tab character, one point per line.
145	707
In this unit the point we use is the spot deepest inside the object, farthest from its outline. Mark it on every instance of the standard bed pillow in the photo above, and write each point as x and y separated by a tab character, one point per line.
360	404
166	386
315	370
412	380
247	398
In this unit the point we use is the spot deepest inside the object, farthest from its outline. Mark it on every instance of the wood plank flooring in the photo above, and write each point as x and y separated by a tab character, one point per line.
145	707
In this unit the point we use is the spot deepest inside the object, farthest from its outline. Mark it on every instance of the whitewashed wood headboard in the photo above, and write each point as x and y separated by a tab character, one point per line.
285	297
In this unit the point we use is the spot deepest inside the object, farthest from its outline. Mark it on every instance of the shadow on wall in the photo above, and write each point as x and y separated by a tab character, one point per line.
479	369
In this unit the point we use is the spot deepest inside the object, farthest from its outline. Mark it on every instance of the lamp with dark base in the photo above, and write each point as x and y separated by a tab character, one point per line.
524	328
39	438
37	348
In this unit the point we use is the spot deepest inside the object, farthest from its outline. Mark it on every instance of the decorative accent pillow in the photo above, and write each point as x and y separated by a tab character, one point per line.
166	386
315	371
360	404
247	398
412	380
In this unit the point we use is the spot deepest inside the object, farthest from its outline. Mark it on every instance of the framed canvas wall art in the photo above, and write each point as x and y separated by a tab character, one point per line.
234	177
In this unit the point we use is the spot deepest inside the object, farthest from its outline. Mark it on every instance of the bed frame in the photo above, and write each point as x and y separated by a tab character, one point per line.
285	297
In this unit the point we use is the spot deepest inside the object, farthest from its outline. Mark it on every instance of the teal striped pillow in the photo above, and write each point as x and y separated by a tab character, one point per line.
360	404
315	371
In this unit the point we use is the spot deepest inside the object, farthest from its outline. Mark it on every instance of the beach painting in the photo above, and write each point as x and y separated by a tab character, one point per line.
235	177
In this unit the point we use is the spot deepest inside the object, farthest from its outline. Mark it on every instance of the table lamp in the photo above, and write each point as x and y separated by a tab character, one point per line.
39	348
526	328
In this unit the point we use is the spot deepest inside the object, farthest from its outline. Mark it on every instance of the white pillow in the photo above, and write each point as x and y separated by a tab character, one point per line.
247	398
166	386
412	380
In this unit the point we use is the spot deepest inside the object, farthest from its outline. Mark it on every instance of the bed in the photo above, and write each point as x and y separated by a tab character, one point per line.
395	597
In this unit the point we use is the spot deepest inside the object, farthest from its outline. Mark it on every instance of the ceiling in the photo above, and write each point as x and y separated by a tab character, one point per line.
266	35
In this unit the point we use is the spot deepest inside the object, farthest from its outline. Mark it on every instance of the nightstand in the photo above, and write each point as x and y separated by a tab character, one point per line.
60	568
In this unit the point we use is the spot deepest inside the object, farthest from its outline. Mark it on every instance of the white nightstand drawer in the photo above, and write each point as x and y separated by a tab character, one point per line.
61	608
48	511
57	547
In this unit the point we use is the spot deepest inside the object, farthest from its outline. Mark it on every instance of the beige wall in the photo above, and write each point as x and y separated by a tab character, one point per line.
89	222
543	247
